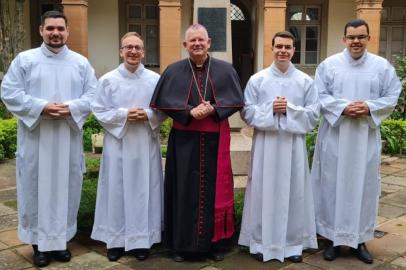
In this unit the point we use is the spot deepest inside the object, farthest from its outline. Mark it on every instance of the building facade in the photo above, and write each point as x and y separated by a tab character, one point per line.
245	37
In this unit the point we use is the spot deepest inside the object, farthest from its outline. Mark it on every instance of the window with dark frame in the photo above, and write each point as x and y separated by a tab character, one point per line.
304	23
392	38
143	17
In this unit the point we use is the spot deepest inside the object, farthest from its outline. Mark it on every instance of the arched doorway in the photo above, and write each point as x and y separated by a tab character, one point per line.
241	31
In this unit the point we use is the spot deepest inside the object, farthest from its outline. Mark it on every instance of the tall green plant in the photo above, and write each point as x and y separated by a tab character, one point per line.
400	110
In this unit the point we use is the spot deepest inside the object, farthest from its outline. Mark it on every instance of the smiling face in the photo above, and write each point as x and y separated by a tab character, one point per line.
356	40
282	51
54	32
132	52
197	43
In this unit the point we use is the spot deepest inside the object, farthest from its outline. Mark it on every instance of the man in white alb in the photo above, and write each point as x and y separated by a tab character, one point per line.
357	90
49	89
282	106
130	189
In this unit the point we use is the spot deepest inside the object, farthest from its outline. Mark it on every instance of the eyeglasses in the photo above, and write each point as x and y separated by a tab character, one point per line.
281	46
132	47
360	37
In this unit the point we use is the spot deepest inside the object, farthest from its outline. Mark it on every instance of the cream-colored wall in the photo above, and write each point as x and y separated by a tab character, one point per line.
103	35
339	13
187	19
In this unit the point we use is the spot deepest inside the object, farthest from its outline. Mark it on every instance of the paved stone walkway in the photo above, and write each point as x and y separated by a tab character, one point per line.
389	248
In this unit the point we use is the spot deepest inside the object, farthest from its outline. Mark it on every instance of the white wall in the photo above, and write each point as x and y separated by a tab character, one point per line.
104	40
339	13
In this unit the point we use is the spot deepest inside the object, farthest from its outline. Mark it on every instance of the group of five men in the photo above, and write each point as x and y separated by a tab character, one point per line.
52	89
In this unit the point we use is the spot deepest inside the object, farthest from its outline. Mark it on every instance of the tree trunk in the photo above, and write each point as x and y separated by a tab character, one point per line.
11	37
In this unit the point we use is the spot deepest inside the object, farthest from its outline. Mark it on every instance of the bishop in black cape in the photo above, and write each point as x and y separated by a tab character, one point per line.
198	192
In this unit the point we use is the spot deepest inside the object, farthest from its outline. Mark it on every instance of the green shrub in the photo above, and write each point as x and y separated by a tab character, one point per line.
394	134
90	127
87	204
92	167
165	129
400	110
311	143
238	207
4	113
8	138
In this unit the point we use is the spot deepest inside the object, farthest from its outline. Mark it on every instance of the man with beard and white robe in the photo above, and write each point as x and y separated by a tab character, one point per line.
357	90
49	89
282	106
129	196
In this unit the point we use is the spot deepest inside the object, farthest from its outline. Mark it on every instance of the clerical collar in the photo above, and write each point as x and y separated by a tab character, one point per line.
200	66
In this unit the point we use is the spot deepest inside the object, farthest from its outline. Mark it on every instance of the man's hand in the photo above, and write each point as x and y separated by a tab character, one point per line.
357	109
56	110
137	115
203	110
279	105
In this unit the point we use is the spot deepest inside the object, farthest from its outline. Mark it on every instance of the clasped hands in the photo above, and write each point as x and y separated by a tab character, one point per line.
356	109
56	110
280	104
136	114
203	110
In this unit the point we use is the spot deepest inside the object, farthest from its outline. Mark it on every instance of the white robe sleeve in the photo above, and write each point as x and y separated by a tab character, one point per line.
331	107
113	119
155	119
13	93
255	114
80	107
382	107
302	119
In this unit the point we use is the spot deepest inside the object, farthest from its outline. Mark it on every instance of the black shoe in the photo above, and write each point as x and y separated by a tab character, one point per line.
113	254
177	257
295	258
141	253
259	257
61	255
40	258
362	253
331	252
216	256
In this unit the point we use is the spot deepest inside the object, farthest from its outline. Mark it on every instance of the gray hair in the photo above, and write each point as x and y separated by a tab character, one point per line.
196	27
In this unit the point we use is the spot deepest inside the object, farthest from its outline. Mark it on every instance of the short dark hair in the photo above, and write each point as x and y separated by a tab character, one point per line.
356	23
283	34
53	14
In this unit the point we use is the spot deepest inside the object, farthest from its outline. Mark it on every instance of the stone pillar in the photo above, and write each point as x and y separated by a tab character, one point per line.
274	21
169	32
76	12
370	11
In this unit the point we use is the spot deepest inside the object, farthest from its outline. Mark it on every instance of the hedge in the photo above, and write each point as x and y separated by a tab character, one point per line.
393	132
8	138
